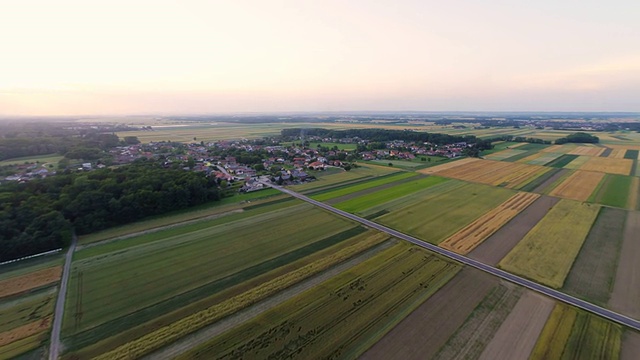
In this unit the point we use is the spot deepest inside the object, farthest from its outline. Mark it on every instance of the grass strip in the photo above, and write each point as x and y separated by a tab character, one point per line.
562	161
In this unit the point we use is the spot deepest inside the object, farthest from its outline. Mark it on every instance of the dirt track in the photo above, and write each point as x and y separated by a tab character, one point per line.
518	334
626	288
421	334
492	250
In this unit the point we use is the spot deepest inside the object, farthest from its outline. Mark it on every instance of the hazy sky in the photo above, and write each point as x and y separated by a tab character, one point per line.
63	57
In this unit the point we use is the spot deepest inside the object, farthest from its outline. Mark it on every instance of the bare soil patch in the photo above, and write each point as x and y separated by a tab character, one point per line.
540	188
518	334
29	281
626	288
492	250
421	334
24	331
630	349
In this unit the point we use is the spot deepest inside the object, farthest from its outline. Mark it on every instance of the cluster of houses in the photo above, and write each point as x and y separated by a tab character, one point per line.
26	172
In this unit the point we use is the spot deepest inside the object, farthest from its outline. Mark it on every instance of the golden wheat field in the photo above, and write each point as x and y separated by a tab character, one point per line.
578	186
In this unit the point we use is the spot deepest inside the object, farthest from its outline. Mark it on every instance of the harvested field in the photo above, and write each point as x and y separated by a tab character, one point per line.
436	223
476	333
498	245
341	317
517	335
541	158
563	149
614	191
574	334
20	347
24	331
587	150
630	345
578	162
578	186
617	153
29	281
449	165
593	273
608	165
561	161
475	233
496	173
427	329
547	252
634	195
505	154
626	288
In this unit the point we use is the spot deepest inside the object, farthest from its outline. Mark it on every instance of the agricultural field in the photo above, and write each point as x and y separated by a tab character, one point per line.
407	164
362	203
574	334
608	165
626	287
561	161
455	209
143	268
337	177
587	150
52	159
593	272
496	173
615	190
472	235
501	145
578	162
359	186
578	186
342	317
505	154
27	297
547	252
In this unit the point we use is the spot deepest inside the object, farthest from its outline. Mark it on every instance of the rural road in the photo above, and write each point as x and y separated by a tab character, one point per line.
608	314
54	348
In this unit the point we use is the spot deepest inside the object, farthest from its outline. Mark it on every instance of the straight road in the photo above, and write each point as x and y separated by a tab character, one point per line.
560	296
54	349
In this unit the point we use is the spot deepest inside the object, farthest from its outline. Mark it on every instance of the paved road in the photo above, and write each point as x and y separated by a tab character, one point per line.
54	348
611	315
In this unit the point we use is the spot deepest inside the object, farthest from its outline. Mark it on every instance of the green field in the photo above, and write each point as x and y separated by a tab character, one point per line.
439	215
409	164
368	184
362	203
614	191
342	317
547	252
561	161
631	154
575	334
544	159
506	154
330	178
129	282
41	159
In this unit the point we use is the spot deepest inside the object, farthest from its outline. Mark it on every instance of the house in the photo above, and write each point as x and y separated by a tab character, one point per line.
316	165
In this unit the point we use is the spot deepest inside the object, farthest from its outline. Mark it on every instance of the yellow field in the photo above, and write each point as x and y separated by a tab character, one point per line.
449	165
617	153
626	147
609	165
578	186
563	149
29	281
475	233
24	331
577	163
496	173
587	150
530	157
547	252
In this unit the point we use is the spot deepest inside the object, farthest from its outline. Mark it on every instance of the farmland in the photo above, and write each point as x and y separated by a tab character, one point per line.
547	252
473	234
587	150
496	173
330	178
578	186
52	159
343	316
351	188
361	203
435	223
574	334
592	274
608	165
626	287
615	191
143	268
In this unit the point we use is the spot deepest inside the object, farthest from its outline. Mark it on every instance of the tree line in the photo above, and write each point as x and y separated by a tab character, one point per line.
38	215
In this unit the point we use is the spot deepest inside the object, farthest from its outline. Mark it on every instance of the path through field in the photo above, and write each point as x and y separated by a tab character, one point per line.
54	348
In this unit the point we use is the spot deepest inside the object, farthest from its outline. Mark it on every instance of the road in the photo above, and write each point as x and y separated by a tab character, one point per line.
54	349
560	296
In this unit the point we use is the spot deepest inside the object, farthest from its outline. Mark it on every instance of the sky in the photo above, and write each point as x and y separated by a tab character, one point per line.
90	57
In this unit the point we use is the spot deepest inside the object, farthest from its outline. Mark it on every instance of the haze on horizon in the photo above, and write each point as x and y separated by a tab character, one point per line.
194	56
